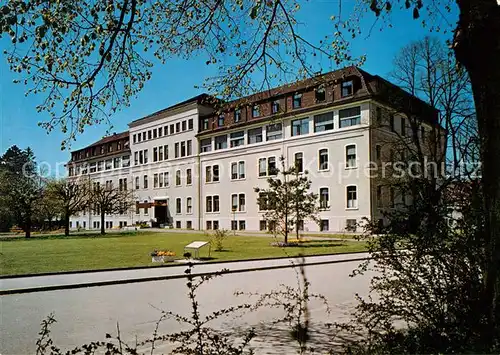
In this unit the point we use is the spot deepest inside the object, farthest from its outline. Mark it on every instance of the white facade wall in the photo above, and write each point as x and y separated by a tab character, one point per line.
336	178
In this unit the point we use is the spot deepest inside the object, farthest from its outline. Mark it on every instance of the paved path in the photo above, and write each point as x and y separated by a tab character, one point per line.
86	314
21	284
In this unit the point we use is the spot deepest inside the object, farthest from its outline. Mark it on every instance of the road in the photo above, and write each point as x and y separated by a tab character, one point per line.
87	314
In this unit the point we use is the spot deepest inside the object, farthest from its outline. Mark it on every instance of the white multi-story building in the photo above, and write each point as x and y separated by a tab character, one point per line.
196	164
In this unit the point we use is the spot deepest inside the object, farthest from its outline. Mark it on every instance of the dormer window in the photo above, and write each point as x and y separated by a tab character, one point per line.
320	94
220	122
237	115
297	100
256	111
204	124
347	88
275	106
119	145
102	149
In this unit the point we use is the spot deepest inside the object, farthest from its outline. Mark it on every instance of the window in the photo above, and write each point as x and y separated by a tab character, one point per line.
189	148
160	153
234	202
234	171
220	121
177	127
237	115
155	134
172	130
144	135
221	142
256	111
320	94
271	166
324	198
262	167
323	159
323	122
145	181
234	225
350	116
216	225
299	162
149	134
237	138
189	177
350	156
155	181
297	101
189	205
209	204
208	174
145	156
137	183
135	138
189	224
263	201
126	161
347	88
209	225
160	179
262	225
110	147
109	163
160	131
178	224
190	123
350	225
242	225
300	127
177	178
93	167
155	154
206	145
275	106
183	149
324	225
204	124
274	131
176	150
146	208
184	126
255	135
241	202
216	203
352	198
215	173
241	170
178	205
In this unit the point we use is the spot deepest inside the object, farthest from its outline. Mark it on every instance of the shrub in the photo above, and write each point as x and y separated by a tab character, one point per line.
218	237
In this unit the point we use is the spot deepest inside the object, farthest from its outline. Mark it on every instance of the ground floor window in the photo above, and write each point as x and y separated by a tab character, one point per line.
84	224
189	225
262	225
216	225
70	224
209	225
234	225
350	225
325	225
242	225
178	224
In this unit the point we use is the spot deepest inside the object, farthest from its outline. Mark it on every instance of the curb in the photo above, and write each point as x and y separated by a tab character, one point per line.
131	268
163	278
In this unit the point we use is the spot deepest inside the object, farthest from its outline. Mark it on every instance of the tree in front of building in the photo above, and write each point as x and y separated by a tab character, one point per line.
287	201
108	200
20	187
71	196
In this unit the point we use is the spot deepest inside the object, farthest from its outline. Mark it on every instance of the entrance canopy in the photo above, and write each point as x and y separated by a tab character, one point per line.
196	246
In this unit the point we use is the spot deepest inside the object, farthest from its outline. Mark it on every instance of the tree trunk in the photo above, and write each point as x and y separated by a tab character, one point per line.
477	48
66	223
27	228
103	231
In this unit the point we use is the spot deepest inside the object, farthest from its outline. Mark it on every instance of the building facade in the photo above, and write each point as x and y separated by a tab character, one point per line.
195	165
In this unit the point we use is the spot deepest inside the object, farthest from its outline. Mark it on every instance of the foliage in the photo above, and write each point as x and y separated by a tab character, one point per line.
287	201
20	186
218	238
109	199
199	338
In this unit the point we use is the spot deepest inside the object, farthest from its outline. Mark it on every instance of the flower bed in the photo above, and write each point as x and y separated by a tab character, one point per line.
162	256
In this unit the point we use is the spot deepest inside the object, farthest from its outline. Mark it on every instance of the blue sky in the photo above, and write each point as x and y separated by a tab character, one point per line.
176	80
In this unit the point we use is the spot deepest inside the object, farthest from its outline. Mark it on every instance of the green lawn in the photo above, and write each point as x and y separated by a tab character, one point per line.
91	252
